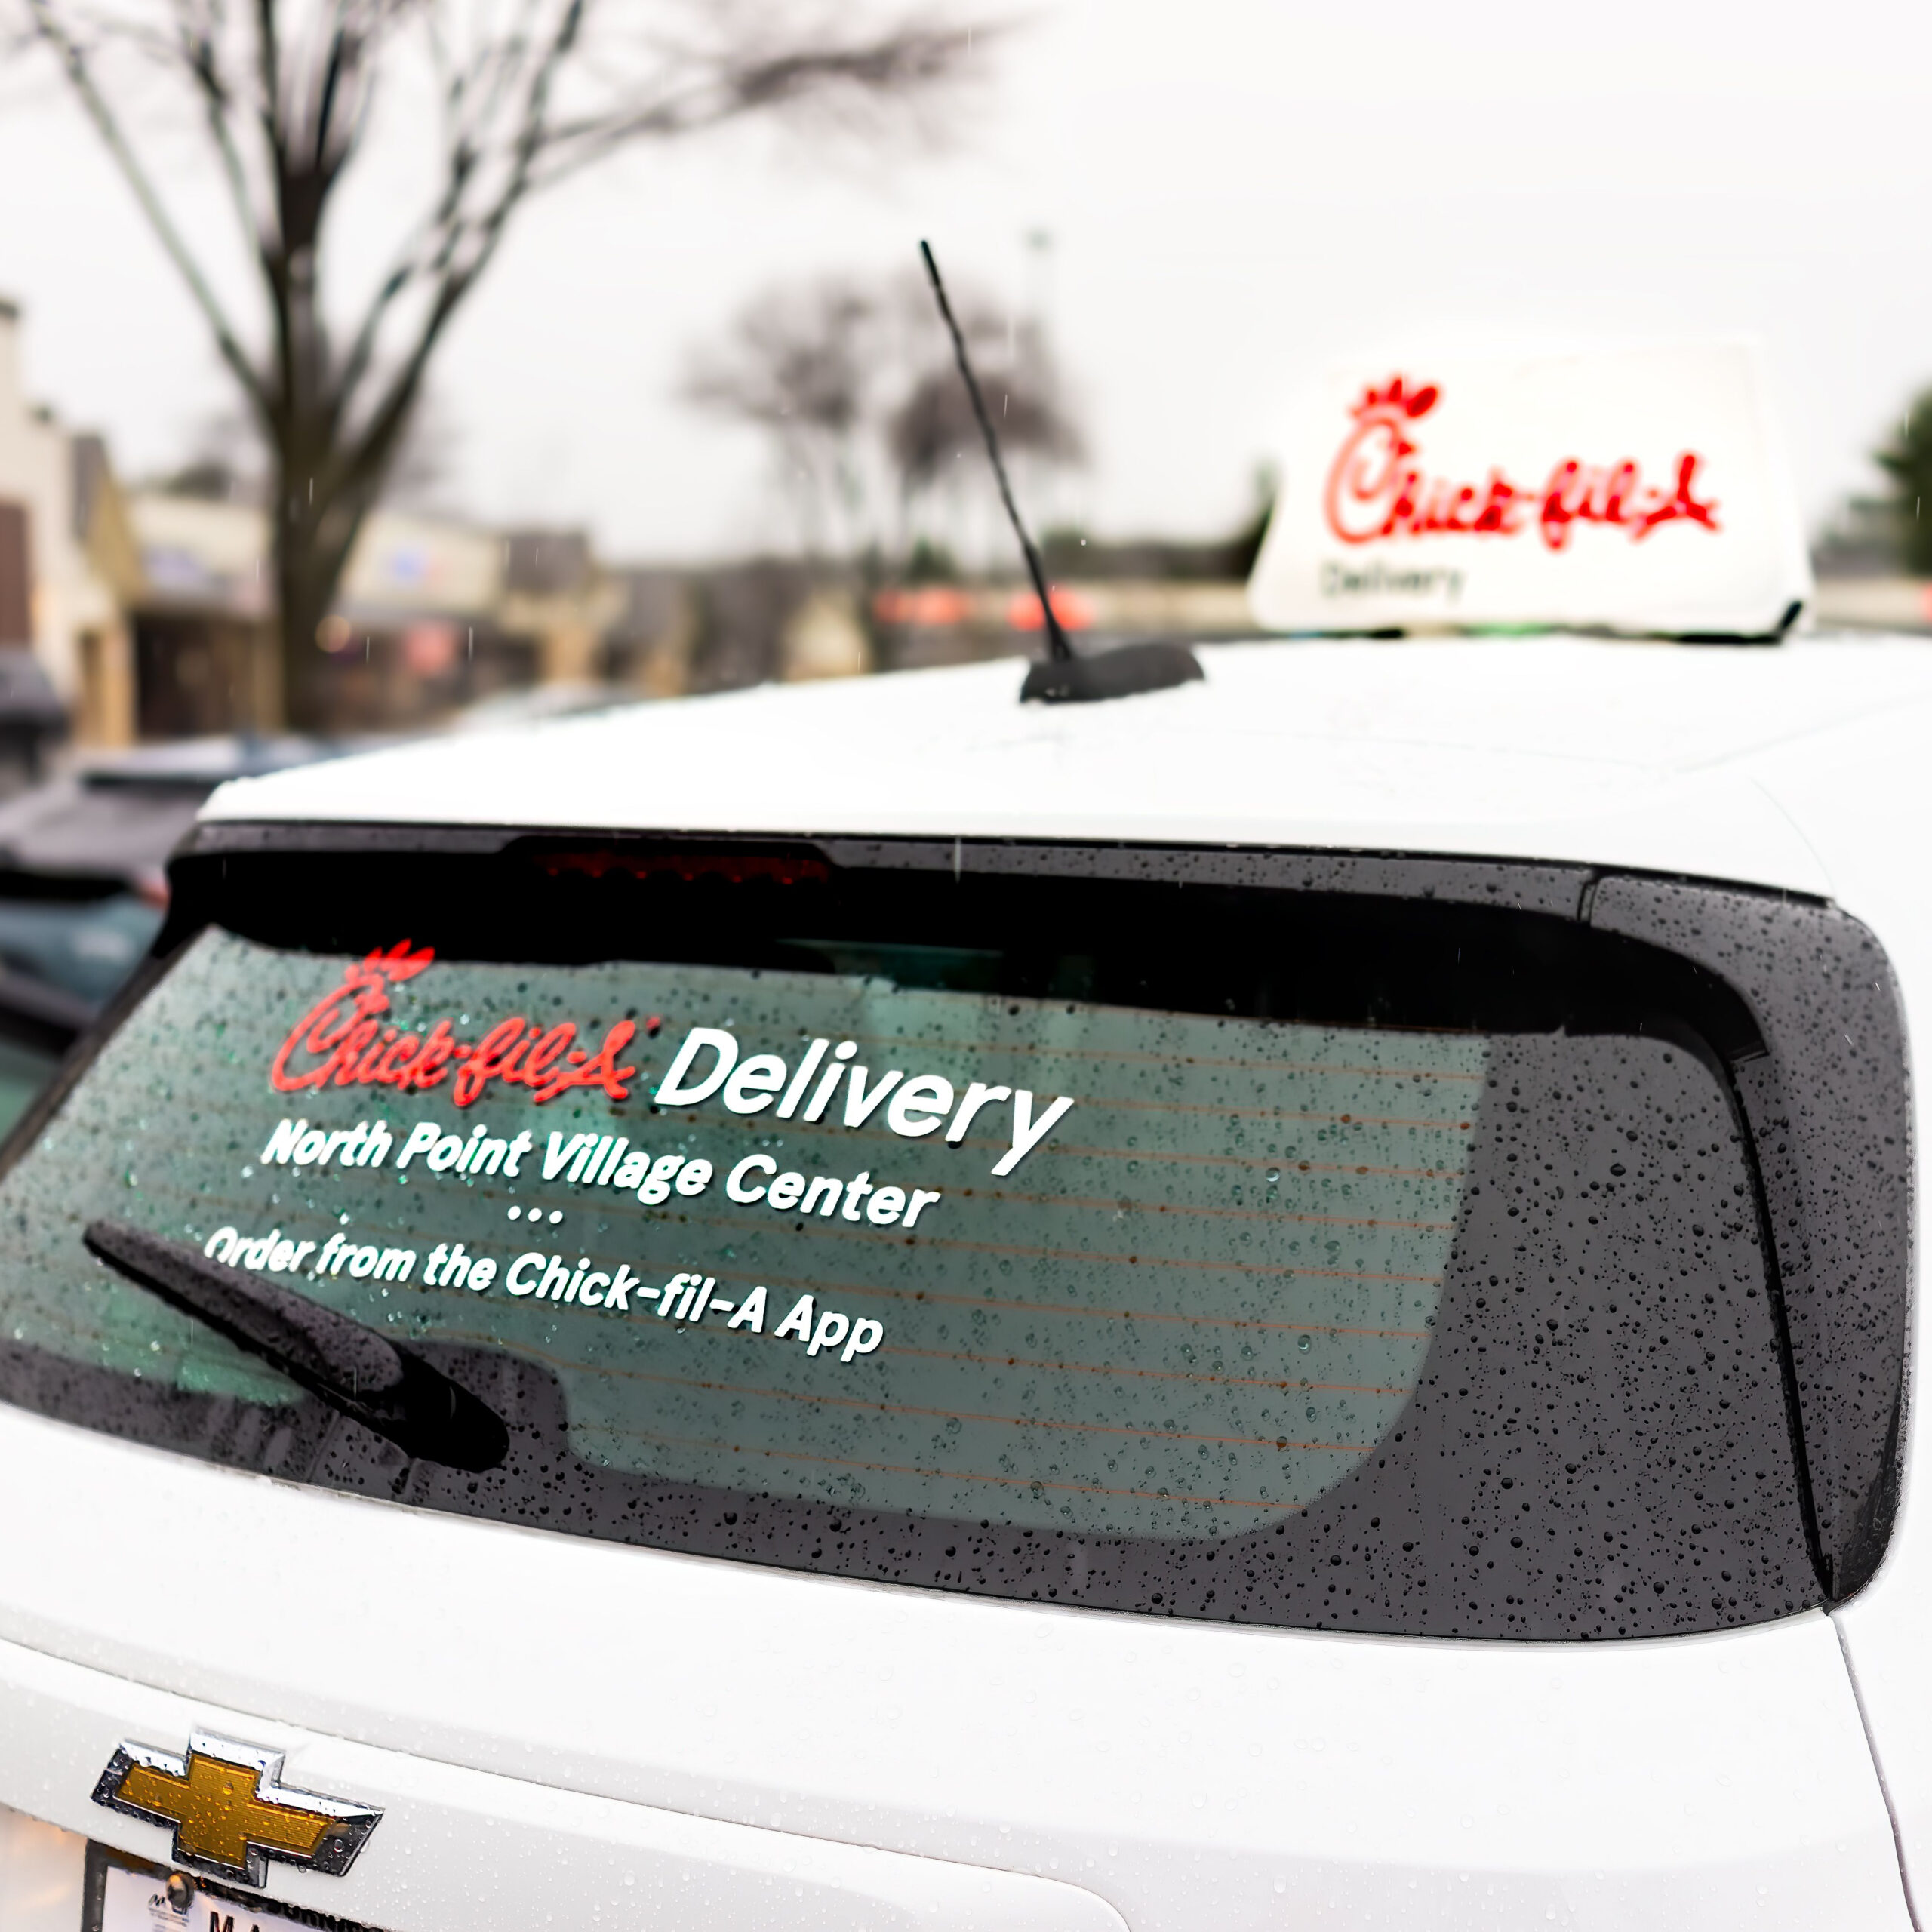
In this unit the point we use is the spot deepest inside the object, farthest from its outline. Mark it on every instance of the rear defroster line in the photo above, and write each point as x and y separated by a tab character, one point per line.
1071	1149
1179	1209
804	1283
1127	1057
1028	1251
957	1475
1301	1385
872	1406
885	1137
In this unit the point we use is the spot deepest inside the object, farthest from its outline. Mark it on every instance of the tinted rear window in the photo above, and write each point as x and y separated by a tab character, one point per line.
1392	1267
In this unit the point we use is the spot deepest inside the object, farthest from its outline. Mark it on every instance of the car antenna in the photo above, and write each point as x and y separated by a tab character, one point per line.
1064	679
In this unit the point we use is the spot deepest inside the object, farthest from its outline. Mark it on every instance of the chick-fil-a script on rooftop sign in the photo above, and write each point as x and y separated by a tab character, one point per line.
347	1040
1378	486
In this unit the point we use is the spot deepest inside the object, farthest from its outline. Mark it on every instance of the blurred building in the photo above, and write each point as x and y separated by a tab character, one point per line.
435	612
199	611
649	644
1859	563
66	566
919	626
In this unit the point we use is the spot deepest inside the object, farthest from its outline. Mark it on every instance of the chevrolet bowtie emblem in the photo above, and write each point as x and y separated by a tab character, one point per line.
230	1811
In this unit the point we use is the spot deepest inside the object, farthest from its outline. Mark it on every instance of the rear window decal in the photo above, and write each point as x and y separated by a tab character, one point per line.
346	1043
917	1107
688	1296
608	1160
1218	1242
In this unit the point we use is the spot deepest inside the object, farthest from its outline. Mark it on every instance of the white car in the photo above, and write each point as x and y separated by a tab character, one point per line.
1286	1303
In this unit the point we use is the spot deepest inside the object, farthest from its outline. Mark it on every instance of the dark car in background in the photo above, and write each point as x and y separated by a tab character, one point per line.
83	885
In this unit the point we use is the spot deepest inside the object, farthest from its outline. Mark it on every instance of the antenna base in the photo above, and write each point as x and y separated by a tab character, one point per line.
1124	671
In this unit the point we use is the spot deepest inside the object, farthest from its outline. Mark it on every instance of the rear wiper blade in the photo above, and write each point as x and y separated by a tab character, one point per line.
357	1371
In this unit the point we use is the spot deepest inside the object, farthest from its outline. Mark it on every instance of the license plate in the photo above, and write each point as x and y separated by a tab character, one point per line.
124	1894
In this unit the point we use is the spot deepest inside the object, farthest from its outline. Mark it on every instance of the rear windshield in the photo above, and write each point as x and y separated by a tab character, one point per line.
991	1244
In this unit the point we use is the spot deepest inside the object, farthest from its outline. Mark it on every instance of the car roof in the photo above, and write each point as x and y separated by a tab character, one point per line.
1659	756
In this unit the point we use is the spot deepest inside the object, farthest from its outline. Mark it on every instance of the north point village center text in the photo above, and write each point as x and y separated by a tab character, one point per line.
707	1066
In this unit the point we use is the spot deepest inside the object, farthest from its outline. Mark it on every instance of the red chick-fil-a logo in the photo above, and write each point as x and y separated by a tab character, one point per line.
344	1041
1373	491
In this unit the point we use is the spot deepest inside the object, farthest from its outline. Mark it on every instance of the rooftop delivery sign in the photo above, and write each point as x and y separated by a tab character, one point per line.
1636	490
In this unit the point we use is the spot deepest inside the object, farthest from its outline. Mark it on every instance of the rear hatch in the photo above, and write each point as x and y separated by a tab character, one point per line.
1077	1307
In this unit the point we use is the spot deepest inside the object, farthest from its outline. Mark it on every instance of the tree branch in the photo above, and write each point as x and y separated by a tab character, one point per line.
73	59
197	54
900	62
370	453
418	262
268	56
429	252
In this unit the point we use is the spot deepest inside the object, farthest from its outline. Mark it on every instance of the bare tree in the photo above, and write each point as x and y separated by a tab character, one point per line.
932	442
528	92
854	383
934	422
802	364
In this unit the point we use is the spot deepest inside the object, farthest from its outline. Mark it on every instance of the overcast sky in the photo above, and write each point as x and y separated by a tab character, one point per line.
1236	190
